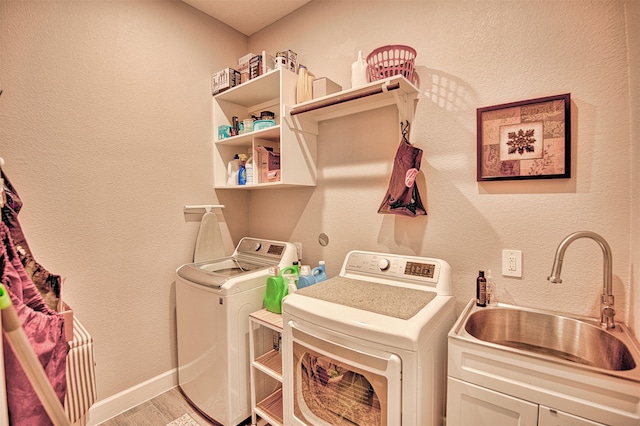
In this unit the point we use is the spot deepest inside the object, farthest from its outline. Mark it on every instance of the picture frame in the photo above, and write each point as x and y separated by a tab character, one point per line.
525	140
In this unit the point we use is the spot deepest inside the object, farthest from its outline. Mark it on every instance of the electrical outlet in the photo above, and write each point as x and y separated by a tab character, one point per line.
512	263
298	250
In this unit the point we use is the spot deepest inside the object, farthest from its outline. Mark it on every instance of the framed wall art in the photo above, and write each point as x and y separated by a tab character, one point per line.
525	140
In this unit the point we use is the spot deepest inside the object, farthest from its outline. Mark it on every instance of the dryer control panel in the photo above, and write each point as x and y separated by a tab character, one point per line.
399	268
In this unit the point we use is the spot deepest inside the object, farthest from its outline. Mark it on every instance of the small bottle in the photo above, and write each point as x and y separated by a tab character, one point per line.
242	170
249	169
291	285
232	170
304	85
481	290
492	291
301	84
235	126
358	71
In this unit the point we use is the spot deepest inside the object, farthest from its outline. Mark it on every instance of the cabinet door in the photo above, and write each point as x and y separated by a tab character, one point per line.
552	417
469	404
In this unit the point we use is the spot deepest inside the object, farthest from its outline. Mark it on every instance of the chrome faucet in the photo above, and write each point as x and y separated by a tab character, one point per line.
607	311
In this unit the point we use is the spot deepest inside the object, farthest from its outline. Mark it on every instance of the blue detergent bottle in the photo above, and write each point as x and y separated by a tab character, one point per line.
305	279
276	290
319	273
242	170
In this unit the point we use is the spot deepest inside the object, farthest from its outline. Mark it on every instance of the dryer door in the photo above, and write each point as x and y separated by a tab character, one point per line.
340	383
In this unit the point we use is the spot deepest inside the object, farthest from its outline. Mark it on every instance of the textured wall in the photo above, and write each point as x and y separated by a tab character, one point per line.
105	126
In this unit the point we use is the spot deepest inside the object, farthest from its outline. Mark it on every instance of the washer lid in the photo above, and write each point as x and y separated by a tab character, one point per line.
215	272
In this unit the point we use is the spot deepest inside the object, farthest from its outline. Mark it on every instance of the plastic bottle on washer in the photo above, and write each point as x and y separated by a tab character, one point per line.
275	291
319	273
305	279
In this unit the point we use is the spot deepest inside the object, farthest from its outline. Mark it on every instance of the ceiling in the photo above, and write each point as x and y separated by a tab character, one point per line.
247	16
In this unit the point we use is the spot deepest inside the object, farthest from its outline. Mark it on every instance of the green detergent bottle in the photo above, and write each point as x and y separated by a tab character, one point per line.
276	290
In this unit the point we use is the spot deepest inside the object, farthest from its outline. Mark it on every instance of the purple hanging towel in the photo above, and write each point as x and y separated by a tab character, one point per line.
402	196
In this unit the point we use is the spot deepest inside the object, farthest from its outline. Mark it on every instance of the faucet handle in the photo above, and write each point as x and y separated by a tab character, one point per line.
607	311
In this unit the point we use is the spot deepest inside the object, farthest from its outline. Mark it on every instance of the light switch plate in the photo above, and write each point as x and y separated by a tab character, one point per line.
512	263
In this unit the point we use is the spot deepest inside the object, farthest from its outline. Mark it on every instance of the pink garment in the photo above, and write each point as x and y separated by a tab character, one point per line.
45	331
48	284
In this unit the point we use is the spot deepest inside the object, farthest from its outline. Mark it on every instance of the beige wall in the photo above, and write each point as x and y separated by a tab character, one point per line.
105	124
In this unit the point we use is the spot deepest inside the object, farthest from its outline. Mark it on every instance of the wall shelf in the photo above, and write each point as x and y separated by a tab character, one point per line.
392	90
274	91
266	367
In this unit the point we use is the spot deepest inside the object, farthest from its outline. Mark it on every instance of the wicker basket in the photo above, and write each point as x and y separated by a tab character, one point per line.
387	61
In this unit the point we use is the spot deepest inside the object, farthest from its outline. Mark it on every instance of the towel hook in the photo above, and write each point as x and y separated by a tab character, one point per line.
207	207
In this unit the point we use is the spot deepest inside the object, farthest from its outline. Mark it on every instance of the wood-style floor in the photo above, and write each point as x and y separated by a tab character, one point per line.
159	411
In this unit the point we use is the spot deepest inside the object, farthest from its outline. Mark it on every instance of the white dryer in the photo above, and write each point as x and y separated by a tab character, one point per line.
213	302
369	347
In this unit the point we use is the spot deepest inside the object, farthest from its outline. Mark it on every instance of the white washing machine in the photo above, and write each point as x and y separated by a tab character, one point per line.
369	347
213	303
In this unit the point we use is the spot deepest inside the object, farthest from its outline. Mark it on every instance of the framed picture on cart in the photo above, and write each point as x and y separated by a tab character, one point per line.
525	140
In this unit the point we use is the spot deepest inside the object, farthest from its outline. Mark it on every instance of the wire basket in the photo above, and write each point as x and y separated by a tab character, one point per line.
390	60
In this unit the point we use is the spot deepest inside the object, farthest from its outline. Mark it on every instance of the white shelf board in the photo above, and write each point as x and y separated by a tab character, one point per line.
340	109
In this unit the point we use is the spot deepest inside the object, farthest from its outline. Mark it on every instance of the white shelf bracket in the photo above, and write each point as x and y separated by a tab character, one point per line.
406	109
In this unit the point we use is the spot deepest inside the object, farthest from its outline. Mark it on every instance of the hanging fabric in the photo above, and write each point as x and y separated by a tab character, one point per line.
35	308
46	334
49	285
402	196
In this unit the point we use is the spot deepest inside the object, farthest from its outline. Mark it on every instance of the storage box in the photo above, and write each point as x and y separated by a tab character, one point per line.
243	66
261	64
323	87
224	80
268	165
289	60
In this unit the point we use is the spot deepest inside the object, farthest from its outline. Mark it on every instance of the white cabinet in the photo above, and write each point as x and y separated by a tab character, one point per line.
274	91
469	404
265	343
551	417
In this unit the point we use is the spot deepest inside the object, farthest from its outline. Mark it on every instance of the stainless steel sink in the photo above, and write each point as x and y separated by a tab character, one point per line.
553	336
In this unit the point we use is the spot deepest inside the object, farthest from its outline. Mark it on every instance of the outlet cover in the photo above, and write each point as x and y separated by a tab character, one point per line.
512	263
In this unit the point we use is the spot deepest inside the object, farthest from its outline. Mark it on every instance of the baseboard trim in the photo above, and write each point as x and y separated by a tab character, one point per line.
110	407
